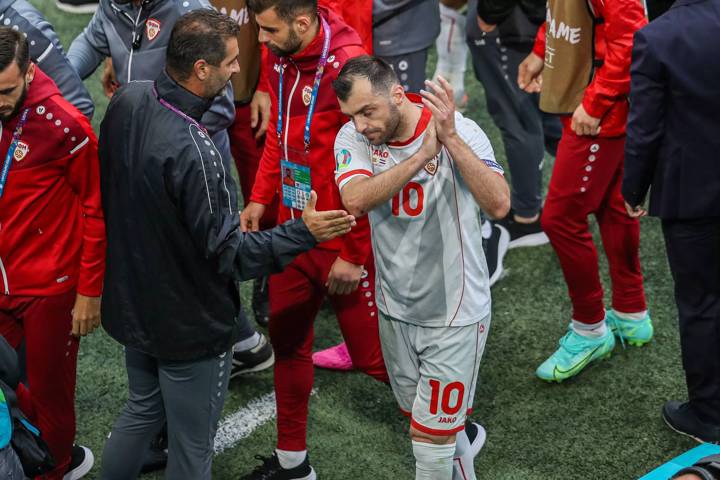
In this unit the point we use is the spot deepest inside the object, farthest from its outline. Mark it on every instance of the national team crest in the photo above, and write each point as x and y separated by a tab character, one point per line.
432	166
152	28
21	151
307	95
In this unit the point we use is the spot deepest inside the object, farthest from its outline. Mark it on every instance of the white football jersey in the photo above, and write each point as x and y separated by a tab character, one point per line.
427	240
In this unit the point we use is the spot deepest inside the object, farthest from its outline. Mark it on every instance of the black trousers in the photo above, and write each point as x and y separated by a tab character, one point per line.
526	131
693	248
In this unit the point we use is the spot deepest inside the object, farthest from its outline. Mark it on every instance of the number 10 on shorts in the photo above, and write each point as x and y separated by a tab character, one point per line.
443	397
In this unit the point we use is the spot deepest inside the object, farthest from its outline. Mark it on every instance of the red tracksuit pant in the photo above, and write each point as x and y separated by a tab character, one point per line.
247	151
51	359
586	180
296	296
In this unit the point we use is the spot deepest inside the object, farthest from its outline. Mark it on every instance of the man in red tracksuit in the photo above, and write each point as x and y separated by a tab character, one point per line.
583	52
52	244
301	39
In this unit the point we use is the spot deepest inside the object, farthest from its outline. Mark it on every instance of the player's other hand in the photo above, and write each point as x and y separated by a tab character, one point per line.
635	212
108	79
85	315
583	124
344	277
440	99
529	74
260	112
250	217
326	225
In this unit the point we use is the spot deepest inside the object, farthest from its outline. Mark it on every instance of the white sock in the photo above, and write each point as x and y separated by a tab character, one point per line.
631	316
594	330
433	462
451	44
289	459
247	344
463	468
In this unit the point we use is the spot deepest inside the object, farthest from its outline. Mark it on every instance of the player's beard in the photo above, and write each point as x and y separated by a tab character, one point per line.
290	47
389	131
21	100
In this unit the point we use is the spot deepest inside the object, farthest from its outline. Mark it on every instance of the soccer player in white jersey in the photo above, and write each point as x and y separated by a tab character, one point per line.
423	172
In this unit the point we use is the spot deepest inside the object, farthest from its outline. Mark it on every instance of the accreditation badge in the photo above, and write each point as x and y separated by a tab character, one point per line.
296	183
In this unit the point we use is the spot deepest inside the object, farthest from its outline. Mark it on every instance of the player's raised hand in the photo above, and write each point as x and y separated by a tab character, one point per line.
326	225
430	146
440	100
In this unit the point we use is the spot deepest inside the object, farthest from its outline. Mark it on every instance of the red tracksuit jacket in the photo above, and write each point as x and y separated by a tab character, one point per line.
299	78
52	233
607	95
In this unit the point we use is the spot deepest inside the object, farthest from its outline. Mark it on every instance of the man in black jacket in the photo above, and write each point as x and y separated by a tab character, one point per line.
672	145
175	251
501	33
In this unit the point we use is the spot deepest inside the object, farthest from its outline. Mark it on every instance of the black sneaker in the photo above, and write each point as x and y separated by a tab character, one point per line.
495	244
271	470
681	418
523	234
258	358
81	462
77	6
157	455
261	301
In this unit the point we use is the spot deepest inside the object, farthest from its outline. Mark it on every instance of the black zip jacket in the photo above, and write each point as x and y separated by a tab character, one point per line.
494	12
174	247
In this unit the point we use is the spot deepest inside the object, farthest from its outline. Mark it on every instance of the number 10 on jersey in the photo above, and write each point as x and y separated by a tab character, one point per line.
411	199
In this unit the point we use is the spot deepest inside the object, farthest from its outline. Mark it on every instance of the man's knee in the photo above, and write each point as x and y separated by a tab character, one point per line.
419	436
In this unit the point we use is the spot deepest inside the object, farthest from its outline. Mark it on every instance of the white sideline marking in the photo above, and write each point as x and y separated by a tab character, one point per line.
244	421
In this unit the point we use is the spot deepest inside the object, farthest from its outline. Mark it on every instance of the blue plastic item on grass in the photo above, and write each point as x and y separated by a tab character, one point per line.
667	470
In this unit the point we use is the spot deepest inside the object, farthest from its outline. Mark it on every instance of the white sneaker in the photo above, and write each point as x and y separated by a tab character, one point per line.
463	468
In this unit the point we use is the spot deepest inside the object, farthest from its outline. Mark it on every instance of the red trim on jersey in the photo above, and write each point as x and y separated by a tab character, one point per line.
351	173
434	431
422	124
462	470
462	249
406	414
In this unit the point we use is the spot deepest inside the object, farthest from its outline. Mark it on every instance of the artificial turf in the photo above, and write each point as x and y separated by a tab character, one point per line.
605	424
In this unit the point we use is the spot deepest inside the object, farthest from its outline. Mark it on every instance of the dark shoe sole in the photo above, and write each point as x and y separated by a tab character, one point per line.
689	435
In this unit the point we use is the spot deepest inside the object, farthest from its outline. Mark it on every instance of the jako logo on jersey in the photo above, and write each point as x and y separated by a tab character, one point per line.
379	157
21	150
152	28
342	160
447	419
307	95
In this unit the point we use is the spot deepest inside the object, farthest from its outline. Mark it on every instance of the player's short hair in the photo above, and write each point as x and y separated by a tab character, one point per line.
287	10
13	48
378	72
200	34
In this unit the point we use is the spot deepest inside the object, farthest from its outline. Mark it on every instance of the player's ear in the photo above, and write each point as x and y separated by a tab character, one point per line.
397	93
30	73
201	70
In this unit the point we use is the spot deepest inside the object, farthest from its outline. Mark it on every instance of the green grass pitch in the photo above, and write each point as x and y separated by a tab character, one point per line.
605	424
